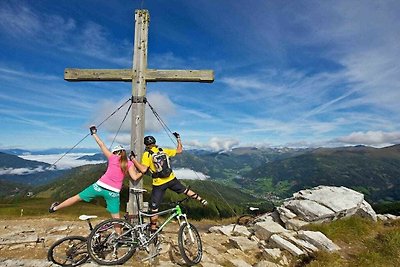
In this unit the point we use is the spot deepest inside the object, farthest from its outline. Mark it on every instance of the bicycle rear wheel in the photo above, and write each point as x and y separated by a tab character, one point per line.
189	243
107	247
69	251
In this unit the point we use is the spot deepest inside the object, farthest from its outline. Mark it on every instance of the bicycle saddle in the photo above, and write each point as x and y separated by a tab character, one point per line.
87	217
137	190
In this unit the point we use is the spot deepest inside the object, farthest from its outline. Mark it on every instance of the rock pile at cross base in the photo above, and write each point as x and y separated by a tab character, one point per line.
278	234
274	239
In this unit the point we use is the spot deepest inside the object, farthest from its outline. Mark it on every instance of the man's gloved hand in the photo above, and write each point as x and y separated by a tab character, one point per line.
132	155
93	130
177	136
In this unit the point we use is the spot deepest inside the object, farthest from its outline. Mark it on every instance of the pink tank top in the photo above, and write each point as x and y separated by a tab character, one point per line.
112	179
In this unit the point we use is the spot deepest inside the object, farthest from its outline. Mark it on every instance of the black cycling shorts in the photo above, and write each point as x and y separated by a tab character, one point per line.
158	192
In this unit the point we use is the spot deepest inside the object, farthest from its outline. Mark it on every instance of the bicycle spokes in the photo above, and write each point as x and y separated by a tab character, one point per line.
111	242
190	244
69	251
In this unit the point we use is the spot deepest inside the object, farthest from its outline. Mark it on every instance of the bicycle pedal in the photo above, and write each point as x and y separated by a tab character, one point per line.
150	257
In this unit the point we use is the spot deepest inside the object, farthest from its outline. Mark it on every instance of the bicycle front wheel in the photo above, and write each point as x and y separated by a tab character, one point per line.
69	251
111	242
189	243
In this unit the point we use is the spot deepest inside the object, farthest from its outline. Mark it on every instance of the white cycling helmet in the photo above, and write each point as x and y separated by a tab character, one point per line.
117	148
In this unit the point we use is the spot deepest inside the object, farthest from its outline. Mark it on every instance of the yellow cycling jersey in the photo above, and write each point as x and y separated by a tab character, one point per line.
148	161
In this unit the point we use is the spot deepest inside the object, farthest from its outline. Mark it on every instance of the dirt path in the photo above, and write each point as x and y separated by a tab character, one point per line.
26	242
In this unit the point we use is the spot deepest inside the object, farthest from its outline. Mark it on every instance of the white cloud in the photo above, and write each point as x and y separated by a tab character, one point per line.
198	114
90	39
189	174
123	139
94	40
68	161
364	40
71	161
214	144
22	22
19	21
21	171
165	108
371	138
7	72
166	60
244	82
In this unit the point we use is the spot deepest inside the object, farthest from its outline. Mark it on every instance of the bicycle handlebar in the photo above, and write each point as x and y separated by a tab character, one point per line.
178	202
182	200
173	203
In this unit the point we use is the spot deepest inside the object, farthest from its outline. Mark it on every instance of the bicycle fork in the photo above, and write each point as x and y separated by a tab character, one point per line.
182	222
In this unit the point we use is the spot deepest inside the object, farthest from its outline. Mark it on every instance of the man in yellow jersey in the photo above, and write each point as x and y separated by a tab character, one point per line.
156	160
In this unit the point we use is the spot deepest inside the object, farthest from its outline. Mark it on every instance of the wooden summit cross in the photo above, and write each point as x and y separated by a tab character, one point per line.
139	75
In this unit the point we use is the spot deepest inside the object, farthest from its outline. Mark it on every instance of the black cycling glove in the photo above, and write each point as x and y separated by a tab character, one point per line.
176	135
93	130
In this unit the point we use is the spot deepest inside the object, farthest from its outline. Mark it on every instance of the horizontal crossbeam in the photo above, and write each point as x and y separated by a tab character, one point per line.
206	76
151	75
77	75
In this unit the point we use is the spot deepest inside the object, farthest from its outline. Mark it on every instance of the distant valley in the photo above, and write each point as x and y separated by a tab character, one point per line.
268	173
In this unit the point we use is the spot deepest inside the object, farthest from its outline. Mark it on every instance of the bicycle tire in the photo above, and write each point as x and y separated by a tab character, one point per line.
106	247
68	251
189	243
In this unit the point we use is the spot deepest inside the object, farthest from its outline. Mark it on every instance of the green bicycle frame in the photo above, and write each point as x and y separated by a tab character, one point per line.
177	213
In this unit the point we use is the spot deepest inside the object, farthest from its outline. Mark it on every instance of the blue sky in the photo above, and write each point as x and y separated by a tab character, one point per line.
287	73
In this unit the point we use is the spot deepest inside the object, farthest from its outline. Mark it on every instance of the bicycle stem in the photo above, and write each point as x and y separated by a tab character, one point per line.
178	210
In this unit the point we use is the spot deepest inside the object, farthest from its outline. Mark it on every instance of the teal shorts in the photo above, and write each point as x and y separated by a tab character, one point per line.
111	197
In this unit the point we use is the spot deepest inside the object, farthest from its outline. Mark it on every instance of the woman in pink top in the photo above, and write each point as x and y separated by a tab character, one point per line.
110	184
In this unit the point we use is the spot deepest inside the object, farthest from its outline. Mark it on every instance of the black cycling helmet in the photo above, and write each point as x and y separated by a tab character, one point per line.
149	140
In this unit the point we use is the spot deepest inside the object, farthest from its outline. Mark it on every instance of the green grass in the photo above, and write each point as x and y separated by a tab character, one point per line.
362	242
382	250
39	207
346	230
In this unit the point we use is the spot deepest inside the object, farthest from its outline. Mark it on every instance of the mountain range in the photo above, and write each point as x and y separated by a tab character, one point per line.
18	174
273	173
50	151
372	171
14	162
281	172
233	200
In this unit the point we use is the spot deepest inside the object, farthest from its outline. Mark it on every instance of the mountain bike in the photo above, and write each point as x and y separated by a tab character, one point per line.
114	241
71	250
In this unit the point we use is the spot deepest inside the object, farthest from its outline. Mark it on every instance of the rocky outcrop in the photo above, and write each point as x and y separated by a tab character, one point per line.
387	217
275	239
323	204
278	234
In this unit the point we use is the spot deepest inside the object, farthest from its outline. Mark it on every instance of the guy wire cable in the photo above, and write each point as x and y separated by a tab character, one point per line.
120	126
218	193
80	141
164	125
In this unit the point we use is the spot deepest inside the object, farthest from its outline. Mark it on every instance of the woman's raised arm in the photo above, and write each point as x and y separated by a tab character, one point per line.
104	149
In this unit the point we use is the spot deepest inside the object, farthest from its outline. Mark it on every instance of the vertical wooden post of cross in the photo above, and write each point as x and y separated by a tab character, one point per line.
139	68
